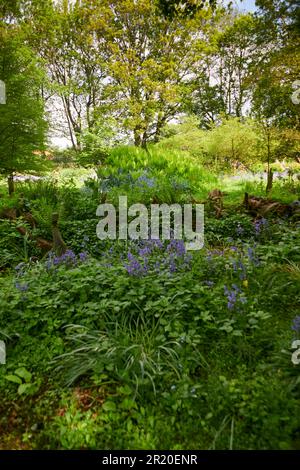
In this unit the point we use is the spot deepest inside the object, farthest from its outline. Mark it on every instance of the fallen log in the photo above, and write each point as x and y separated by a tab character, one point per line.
256	205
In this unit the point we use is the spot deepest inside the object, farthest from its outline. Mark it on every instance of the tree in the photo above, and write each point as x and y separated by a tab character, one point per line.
277	36
58	31
22	122
150	61
233	142
99	141
182	8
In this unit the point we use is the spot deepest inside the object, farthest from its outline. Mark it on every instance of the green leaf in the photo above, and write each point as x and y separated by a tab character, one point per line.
24	374
128	404
13	378
125	390
24	388
109	406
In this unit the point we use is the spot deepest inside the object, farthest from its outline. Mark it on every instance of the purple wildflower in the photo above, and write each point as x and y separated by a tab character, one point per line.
239	229
177	247
83	256
22	287
145	251
20	269
260	225
145	181
252	256
234	296
243	271
134	268
296	324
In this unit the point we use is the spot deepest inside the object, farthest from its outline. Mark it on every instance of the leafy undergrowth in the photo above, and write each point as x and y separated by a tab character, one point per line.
130	345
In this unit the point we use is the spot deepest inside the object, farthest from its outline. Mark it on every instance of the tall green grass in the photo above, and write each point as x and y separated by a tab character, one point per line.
163	163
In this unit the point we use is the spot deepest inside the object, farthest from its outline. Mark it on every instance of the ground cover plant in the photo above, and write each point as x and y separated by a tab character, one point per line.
140	344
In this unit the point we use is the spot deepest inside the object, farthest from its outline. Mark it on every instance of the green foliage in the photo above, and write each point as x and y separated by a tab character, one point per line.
23	378
22	122
224	146
160	357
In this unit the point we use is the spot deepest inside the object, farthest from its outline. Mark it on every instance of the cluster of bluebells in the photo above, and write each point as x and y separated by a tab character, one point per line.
238	264
134	267
235	297
155	256
252	256
260	225
296	324
122	178
240	269
239	230
118	180
144	182
20	269
22	287
180	185
68	259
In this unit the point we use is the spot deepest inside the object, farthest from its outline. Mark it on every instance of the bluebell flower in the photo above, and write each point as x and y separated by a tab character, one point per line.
234	296
239	229
134	268
145	251
176	246
145	181
83	256
156	243
22	287
296	324
172	266
20	268
252	256
260	225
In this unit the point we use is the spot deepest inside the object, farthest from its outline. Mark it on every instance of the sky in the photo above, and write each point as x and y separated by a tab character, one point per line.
245	5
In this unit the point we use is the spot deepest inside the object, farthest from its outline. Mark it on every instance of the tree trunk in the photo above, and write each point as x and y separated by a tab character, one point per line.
159	125
137	138
144	140
11	184
269	172
59	246
269	181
